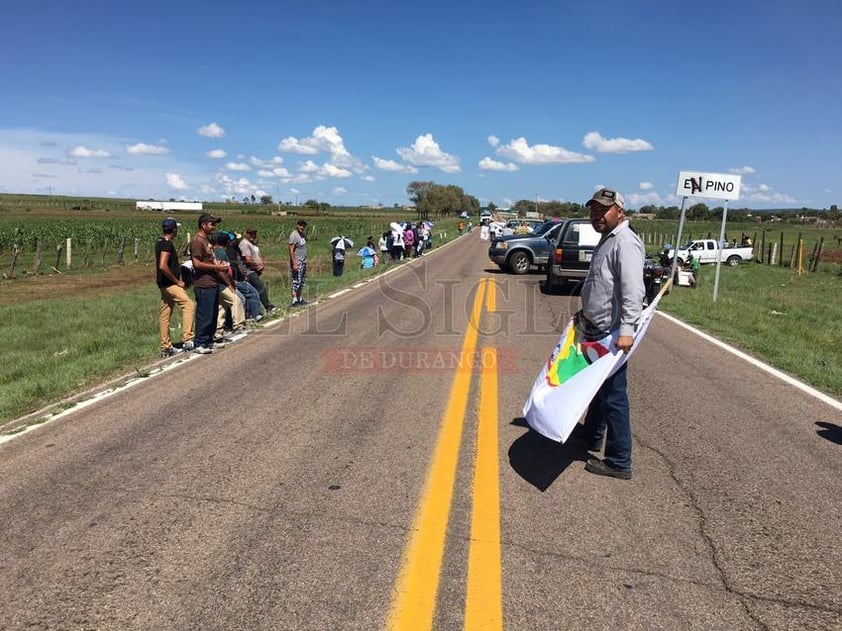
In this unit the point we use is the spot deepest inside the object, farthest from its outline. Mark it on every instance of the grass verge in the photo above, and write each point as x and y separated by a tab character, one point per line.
789	321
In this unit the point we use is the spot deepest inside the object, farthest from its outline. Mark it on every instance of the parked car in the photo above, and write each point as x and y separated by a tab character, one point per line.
571	252
519	253
705	250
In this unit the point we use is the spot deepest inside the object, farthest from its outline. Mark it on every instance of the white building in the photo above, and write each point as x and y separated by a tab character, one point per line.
168	206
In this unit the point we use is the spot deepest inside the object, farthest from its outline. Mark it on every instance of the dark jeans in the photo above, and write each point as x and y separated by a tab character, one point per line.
207	308
257	282
338	267
252	298
609	411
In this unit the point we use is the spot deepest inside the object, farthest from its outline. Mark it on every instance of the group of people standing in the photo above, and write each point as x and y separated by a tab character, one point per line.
225	269
404	241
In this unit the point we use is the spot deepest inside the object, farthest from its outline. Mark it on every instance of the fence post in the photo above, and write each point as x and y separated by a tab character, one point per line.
120	249
104	248
69	254
818	255
36	267
15	255
58	256
782	249
763	246
773	253
136	248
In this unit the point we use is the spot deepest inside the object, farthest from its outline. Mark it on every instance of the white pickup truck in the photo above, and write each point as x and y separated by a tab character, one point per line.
705	251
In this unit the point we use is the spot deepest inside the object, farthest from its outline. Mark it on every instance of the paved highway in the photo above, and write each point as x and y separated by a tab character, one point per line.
364	466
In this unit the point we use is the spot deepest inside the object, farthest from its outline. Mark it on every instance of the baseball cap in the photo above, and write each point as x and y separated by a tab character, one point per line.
206	218
169	224
606	197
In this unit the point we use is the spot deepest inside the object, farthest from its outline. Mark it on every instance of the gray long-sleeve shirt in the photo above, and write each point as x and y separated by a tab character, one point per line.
613	290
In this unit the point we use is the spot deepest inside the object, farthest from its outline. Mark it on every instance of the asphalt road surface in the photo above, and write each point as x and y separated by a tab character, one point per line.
364	466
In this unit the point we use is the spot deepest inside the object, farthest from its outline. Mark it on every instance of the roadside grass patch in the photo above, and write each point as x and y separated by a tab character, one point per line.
789	321
56	347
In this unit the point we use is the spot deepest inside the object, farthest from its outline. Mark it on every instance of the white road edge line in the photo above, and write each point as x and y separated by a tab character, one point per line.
759	364
99	396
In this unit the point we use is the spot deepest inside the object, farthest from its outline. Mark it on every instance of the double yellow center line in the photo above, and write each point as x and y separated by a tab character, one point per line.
414	599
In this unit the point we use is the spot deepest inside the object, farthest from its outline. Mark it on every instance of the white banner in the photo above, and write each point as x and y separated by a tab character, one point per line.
573	375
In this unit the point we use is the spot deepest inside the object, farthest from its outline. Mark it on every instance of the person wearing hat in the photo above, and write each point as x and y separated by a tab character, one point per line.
298	262
168	278
210	275
612	298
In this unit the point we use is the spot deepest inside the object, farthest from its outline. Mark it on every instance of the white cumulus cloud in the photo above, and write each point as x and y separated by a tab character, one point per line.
425	152
331	170
643	199
217	154
595	142
391	165
237	166
142	149
175	181
646	186
489	164
83	152
367	178
746	170
520	151
493	140
211	130
324	140
339	190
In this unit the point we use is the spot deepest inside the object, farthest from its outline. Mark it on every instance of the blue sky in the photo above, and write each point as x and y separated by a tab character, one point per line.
349	102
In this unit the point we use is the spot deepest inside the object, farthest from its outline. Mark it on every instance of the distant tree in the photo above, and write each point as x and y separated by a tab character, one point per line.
492	206
253	199
265	199
246	199
311	203
671	212
172	199
699	211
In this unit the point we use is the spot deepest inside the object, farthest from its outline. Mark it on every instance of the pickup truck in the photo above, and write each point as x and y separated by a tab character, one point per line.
705	251
572	249
519	253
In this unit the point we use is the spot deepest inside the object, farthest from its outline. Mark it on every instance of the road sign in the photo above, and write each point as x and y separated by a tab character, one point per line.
711	185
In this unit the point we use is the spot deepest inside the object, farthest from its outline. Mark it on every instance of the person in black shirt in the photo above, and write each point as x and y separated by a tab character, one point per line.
172	291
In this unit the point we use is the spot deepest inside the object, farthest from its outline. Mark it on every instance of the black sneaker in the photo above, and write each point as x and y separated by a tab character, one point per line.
598	467
171	351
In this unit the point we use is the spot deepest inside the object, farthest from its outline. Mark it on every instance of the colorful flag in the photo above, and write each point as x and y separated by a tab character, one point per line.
573	375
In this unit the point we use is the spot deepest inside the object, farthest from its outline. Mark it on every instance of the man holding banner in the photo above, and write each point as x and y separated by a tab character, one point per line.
612	297
586	371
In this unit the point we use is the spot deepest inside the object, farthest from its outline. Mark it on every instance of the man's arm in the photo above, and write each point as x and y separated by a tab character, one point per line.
293	262
164	268
632	291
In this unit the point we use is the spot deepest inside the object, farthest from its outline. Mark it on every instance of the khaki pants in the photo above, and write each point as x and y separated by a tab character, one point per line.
171	296
238	312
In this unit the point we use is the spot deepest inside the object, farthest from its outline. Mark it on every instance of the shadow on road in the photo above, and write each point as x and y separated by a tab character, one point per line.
830	431
568	289
539	460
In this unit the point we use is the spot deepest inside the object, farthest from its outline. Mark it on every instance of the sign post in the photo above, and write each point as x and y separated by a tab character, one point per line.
716	186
